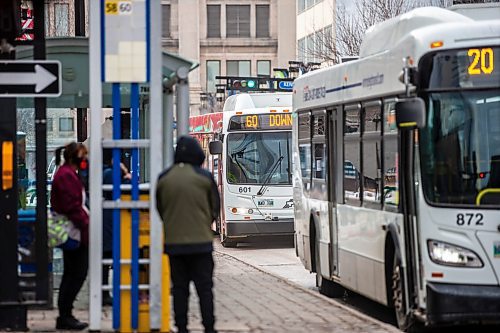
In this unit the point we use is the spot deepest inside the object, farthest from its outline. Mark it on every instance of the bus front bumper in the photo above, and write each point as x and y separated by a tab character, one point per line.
251	228
453	303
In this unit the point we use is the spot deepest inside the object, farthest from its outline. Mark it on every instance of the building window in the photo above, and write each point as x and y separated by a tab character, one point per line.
50	125
263	67
47	20
238	68
238	20
213	69
61	19
66	124
165	21
306	4
309	48
301	5
213	21
262	21
301	49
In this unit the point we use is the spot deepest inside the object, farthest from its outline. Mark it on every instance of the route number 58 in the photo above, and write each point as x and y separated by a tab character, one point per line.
481	62
115	7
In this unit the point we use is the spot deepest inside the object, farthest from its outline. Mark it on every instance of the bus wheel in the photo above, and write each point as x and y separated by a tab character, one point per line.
398	300
326	287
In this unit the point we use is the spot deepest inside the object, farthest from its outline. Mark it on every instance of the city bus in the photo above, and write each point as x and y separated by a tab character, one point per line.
253	152
396	174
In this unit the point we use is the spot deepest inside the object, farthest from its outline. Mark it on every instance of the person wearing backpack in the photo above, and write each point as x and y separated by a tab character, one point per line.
68	199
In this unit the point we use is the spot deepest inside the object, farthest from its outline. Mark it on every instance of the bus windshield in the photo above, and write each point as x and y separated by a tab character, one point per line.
252	157
460	148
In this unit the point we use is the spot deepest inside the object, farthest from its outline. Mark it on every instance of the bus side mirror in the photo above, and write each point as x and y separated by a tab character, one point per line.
215	147
410	113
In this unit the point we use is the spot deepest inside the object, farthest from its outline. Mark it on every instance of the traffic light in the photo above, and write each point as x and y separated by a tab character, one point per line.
244	84
10	19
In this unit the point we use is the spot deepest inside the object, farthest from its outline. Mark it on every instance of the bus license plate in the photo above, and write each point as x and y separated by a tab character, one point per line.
265	203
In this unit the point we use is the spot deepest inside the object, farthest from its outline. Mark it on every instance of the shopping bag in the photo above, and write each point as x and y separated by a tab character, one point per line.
62	233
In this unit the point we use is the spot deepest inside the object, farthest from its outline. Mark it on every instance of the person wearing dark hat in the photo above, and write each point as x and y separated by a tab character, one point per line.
188	202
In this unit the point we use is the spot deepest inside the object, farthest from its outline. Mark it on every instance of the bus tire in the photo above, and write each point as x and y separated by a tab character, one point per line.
405	322
325	287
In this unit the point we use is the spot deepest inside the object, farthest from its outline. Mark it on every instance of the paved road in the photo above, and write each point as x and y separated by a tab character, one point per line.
279	259
249	300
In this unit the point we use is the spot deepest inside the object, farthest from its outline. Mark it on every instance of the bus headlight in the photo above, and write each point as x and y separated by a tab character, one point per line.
452	255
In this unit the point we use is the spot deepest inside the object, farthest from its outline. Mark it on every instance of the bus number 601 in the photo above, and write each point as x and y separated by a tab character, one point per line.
244	189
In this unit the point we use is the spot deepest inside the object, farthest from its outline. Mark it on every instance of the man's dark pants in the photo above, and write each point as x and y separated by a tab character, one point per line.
199	269
76	264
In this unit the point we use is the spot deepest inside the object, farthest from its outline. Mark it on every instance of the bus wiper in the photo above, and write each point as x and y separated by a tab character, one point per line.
268	179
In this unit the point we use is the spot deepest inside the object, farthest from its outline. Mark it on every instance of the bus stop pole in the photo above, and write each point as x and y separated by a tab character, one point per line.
95	179
155	163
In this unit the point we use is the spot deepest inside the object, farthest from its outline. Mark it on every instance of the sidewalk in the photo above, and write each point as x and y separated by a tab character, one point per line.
249	300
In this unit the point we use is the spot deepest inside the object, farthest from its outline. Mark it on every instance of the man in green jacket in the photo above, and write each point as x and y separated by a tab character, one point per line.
188	202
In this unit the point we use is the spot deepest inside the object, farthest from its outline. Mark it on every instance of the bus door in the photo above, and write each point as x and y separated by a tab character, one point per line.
333	151
319	188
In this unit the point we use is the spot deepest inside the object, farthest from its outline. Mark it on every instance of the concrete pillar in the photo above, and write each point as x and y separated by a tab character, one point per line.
182	89
168	137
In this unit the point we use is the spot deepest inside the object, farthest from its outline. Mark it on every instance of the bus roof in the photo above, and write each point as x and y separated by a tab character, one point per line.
387	34
376	73
246	101
478	11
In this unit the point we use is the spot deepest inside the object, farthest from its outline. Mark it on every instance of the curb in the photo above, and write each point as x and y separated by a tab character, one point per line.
387	327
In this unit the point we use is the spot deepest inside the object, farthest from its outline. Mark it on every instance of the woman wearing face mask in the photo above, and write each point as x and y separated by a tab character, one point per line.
68	199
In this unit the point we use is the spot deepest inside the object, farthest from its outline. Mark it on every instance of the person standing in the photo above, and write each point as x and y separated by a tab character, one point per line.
68	198
107	219
188	202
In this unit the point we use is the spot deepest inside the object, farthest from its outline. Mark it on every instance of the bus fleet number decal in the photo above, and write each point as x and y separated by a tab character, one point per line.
470	219
244	189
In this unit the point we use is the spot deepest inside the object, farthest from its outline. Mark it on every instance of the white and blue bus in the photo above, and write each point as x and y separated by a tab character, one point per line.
397	169
253	145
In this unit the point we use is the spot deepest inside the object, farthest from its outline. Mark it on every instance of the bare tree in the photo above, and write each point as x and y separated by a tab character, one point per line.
350	26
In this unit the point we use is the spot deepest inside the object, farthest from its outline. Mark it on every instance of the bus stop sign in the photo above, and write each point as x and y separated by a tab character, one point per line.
37	78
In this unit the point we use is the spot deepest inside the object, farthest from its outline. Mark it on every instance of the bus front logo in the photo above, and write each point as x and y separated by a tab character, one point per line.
496	249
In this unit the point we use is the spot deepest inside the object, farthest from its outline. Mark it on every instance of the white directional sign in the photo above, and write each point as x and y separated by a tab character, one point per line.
30	78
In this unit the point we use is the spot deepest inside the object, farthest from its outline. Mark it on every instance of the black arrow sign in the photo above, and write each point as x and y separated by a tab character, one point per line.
30	78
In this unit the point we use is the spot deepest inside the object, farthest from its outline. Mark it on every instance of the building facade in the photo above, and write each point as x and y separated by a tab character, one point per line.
315	29
228	37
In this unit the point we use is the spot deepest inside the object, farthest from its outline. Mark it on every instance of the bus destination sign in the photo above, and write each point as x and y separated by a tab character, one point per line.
276	121
462	68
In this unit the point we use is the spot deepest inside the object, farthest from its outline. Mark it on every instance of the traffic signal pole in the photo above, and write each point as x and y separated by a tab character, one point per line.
41	248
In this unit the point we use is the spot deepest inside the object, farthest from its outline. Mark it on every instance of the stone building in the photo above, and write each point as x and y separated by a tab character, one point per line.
229	37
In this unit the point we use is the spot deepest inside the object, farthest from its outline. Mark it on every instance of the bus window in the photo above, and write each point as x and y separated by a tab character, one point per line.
319	156
372	151
305	149
390	181
352	159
